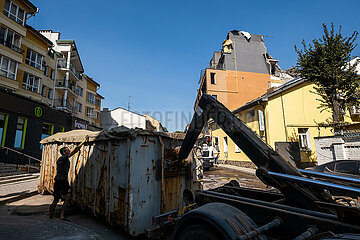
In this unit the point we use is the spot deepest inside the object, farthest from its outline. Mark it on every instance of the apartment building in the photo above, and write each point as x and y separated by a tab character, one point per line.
75	92
27	73
241	71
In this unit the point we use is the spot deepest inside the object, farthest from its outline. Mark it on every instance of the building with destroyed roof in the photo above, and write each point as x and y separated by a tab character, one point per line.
241	71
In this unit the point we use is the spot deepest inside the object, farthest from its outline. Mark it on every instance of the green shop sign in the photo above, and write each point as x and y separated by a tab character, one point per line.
38	111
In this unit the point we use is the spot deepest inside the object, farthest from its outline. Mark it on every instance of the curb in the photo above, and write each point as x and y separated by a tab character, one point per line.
20	197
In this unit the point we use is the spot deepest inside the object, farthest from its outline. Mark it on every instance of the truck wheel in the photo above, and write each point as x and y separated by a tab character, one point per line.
199	232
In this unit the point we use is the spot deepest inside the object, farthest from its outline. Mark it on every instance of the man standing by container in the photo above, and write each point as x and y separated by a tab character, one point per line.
61	185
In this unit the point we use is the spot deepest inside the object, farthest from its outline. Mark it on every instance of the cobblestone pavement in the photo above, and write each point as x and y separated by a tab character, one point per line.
35	209
221	175
16	227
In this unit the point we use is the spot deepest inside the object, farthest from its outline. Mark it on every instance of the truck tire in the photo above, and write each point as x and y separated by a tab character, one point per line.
199	232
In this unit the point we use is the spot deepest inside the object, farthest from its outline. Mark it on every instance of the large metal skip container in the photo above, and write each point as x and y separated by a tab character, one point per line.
124	176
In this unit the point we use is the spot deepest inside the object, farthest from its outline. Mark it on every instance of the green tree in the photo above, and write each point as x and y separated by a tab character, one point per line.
326	62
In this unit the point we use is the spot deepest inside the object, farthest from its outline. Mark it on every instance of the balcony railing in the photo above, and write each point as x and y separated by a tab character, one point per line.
10	45
62	84
60	104
63	64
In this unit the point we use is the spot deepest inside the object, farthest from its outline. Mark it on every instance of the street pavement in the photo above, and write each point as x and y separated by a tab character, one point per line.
15	189
28	218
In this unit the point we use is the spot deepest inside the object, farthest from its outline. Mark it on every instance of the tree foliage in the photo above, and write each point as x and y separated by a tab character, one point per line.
326	62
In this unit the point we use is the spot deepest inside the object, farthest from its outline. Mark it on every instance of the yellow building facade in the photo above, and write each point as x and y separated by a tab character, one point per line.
286	118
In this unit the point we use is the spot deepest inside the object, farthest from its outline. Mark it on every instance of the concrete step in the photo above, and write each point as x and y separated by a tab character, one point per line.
17	178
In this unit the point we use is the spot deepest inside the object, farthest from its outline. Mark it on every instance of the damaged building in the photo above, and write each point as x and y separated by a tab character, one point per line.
243	70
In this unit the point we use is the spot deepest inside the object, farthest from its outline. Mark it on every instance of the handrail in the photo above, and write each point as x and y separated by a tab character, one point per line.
21	153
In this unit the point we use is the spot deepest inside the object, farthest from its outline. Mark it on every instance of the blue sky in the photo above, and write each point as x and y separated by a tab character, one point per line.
154	50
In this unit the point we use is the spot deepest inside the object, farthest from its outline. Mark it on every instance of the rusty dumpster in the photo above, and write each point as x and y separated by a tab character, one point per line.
125	176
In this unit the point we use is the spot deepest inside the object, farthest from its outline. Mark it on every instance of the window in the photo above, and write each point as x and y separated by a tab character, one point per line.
78	106
34	59
89	112
30	82
97	102
10	39
3	126
97	115
47	130
43	90
46	70
225	145
237	149
8	68
79	91
214	96
50	93
212	78
91	98
20	133
251	113
14	12
61	129
52	74
304	139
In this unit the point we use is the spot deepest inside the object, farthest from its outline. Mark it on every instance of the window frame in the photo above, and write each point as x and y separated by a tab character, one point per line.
304	146
8	67
92	100
34	63
30	87
50	92
43	87
12	42
22	144
79	91
212	78
78	106
90	115
97	102
7	12
3	135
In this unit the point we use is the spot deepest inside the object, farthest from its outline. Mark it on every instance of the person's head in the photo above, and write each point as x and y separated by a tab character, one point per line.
64	150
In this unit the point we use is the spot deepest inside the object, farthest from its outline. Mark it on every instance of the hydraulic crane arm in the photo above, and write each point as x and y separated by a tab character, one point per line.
262	155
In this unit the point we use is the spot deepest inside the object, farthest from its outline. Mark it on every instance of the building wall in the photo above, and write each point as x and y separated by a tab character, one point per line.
35	43
122	117
235	88
284	113
246	55
252	122
15	106
334	148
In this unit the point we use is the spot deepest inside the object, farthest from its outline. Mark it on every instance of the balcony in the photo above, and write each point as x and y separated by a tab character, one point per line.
61	85
69	107
62	64
11	46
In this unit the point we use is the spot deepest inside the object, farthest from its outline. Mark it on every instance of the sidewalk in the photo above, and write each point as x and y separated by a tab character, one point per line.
240	169
19	227
17	190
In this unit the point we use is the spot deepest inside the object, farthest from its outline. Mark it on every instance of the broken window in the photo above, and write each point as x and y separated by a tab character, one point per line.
212	78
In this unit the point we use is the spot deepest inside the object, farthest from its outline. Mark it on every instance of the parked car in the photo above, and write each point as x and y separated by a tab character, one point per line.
346	168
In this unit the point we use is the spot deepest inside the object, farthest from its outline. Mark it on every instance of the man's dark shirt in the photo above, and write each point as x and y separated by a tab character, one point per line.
62	168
